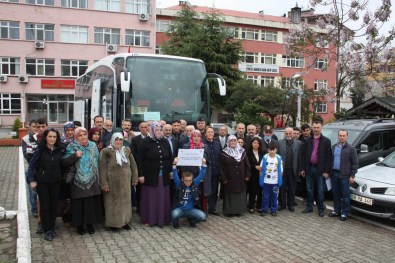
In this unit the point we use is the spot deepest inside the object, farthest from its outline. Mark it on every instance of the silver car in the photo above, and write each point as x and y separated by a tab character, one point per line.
373	190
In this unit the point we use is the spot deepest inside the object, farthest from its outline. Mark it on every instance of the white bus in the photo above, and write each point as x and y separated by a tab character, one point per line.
143	87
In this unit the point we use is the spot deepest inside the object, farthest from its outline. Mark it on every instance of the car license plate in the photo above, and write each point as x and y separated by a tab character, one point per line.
362	199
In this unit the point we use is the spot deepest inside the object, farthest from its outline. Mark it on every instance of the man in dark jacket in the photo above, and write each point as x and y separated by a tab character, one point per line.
316	166
344	168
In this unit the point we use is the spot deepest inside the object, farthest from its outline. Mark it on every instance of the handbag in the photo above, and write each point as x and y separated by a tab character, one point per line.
70	174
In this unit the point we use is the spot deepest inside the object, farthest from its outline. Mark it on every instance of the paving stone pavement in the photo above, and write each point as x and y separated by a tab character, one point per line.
9	177
289	237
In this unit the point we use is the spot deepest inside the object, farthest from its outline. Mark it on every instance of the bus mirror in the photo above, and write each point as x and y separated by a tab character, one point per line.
221	86
125	81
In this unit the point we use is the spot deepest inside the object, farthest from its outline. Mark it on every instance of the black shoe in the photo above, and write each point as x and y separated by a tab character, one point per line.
321	213
192	224
114	229
127	227
307	210
291	209
262	213
281	208
54	234
91	230
48	235
343	218
333	214
214	213
81	230
295	204
176	225
274	213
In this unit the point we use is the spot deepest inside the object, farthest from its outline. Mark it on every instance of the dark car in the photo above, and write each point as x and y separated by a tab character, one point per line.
372	138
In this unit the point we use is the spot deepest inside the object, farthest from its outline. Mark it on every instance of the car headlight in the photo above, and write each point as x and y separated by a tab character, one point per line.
390	191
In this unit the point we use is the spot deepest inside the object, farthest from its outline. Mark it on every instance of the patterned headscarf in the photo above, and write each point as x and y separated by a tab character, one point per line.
120	154
77	132
152	131
192	145
66	126
236	152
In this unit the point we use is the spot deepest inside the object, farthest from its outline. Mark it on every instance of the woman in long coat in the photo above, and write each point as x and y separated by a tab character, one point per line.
254	154
234	171
118	172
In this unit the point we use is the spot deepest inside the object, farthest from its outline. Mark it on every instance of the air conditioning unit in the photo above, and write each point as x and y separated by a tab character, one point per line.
144	17
3	78
23	79
39	44
112	48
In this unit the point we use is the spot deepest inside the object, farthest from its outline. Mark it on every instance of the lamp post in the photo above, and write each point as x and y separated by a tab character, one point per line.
299	91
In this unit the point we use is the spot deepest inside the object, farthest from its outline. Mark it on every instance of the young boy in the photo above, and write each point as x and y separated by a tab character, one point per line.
186	197
270	179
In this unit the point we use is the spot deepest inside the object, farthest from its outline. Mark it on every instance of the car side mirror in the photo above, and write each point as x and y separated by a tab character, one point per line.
380	159
364	148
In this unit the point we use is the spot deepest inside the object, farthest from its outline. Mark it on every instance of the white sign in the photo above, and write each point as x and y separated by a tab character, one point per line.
190	157
255	67
152	116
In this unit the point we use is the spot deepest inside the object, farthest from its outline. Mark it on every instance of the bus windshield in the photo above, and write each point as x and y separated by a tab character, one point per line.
166	88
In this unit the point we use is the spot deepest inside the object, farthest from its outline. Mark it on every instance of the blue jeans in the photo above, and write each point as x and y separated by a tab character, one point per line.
269	194
315	180
194	215
341	193
32	198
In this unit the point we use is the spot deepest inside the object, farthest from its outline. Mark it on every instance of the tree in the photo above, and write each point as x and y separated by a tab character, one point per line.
357	93
357	51
250	113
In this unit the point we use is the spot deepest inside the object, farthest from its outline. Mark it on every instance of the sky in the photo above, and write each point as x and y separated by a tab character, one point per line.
270	7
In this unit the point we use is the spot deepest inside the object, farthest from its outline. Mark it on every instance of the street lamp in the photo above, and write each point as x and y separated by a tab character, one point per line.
299	91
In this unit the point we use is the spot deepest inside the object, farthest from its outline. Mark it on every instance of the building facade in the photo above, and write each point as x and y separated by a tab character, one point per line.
265	61
47	44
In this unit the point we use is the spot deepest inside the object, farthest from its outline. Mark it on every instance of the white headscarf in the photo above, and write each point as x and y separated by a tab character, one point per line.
119	154
236	152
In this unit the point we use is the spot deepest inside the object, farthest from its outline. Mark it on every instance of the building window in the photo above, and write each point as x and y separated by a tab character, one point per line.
251	57
74	34
108	5
9	29
138	38
10	103
57	108
43	32
286	83
10	1
73	68
321	63
254	79
40	2
9	66
158	50
267	81
320	85
249	34
321	108
231	32
40	67
162	25
293	62
81	4
269	59
137	6
105	35
269	36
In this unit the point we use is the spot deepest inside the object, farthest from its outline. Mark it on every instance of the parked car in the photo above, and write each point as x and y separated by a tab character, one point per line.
279	132
371	138
373	190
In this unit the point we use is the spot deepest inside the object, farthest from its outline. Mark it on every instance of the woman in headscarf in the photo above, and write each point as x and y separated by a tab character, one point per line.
85	189
118	172
234	171
68	133
154	166
94	135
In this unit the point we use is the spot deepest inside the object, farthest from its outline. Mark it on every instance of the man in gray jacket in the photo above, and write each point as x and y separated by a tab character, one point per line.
290	152
344	168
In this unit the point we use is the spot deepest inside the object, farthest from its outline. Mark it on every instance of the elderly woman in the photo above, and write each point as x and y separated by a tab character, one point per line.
68	133
234	171
118	171
155	163
84	188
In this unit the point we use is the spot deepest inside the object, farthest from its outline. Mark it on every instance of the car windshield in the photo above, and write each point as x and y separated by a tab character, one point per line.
389	160
331	133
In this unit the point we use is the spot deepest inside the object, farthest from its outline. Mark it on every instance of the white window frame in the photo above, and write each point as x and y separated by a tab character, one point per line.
10	66
9	98
321	107
320	85
163	25
137	6
10	1
321	63
42	67
288	81
48	34
267	81
80	66
249	34
11	28
269	36
138	38
40	2
253	57
108	5
293	62
79	4
114	35
268	59
73	34
254	79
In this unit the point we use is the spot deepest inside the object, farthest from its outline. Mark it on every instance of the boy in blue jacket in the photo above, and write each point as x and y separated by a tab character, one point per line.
270	179
186	197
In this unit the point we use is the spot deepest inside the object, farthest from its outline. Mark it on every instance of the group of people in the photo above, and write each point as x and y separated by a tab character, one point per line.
106	170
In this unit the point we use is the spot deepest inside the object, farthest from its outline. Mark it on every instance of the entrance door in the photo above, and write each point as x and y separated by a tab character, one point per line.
53	112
